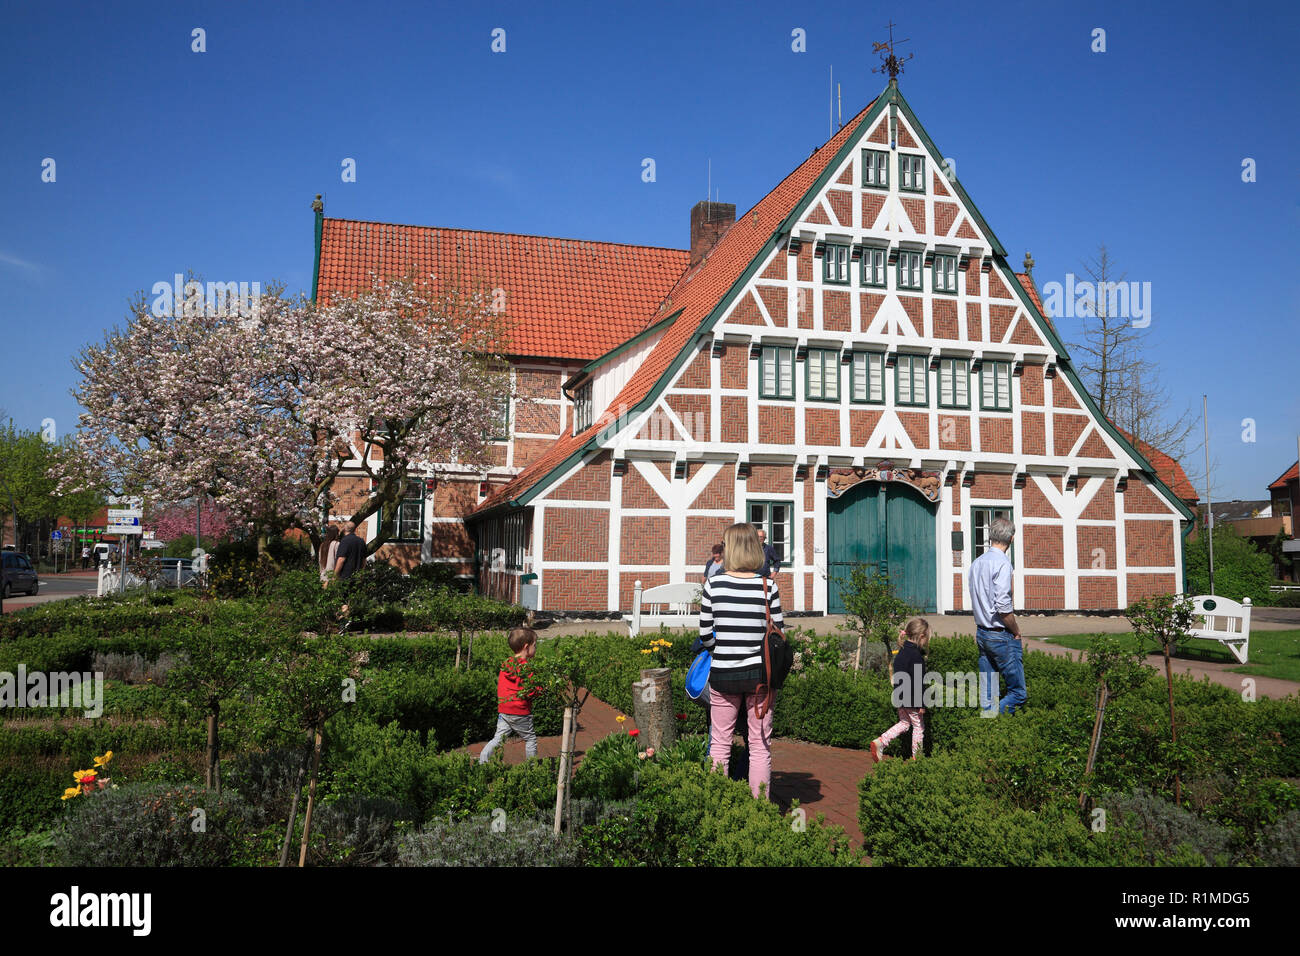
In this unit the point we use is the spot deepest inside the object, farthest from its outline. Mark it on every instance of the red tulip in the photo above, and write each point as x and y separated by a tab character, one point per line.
633	732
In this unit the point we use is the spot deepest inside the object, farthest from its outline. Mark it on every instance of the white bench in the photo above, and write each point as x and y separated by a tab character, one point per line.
1224	621
670	605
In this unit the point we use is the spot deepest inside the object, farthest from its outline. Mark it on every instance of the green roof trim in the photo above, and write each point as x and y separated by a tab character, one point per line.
315	269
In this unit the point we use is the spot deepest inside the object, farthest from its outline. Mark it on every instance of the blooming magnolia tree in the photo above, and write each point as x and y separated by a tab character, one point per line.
177	521
265	412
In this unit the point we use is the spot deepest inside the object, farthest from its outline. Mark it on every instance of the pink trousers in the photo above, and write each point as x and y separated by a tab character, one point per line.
907	717
724	710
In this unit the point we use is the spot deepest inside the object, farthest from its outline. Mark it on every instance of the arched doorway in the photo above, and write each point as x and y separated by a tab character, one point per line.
888	525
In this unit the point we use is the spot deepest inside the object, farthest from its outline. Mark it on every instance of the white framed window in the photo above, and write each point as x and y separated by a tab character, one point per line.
981	518
823	370
875	167
873	266
776	372
868	377
909	269
582	410
777	519
945	273
911	172
835	264
910	374
995	386
954	383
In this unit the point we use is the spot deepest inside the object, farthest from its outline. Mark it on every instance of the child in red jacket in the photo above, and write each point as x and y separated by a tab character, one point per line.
514	712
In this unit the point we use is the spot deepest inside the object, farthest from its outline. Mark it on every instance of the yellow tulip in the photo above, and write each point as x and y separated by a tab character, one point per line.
103	761
71	792
80	775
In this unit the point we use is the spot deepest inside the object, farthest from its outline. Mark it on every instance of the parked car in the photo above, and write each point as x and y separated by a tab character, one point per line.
106	551
176	572
19	575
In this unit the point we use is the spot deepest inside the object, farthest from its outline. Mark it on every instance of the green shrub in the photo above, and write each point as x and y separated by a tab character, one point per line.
452	706
1240	569
1279	845
358	831
609	769
154	825
378	582
1169	833
489	841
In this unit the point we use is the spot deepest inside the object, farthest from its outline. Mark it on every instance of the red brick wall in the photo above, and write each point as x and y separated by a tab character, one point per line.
575	534
945	214
637	492
1097	593
944	314
1031	385
698	373
954	431
455	499
1149	544
1092	537
534	418
956	592
627	584
1149	585
997	289
1033	433
861	423
776	424
1066	430
643	541
1041	546
575	590
772	479
1062	397
841	204
735	419
917	426
1102	505
993	487
1044	592
872	203
915	209
450	540
702	533
746	311
1141	498
693	410
588	483
835	310
869	305
734	367
719	492
1034	503
401	556
1000	317
528	450
537	384
804	262
915	311
776	299
822	426
995	434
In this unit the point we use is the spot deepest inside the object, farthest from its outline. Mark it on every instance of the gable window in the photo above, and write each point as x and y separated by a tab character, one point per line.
873	267
945	273
499	428
911	173
910	375
823	371
835	264
909	270
954	383
405	522
776	372
868	377
981	518
776	518
582	409
875	167
995	386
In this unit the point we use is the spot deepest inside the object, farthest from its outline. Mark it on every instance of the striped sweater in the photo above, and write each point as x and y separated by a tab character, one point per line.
732	624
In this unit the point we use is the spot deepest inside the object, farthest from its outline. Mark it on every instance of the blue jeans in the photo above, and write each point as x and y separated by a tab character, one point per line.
1000	653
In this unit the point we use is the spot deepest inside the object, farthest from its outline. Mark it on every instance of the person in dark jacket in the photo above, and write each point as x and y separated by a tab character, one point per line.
714	565
909	687
771	557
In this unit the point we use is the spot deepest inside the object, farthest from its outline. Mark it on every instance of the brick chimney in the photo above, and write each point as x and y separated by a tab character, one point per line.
709	220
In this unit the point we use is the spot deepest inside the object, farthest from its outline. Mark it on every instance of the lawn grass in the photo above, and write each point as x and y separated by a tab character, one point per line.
1272	653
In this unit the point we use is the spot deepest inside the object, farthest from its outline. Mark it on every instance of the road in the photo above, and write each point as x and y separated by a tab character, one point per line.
56	587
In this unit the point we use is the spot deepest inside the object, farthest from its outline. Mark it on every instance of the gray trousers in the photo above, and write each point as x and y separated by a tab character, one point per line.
507	724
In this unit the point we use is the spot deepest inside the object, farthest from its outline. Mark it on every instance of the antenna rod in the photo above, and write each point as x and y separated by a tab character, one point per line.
839	108
830	109
1209	506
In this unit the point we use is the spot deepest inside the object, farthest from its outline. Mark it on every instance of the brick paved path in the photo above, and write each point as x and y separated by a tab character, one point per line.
823	779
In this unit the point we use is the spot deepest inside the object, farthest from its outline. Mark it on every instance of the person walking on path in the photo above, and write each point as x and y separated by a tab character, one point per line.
351	553
909	688
771	559
85	556
733	622
714	565
515	710
329	553
997	633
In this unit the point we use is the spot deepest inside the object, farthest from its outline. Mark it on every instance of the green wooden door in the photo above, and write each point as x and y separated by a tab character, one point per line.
889	527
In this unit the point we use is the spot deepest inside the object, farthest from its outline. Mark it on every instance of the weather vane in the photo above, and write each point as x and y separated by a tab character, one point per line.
890	64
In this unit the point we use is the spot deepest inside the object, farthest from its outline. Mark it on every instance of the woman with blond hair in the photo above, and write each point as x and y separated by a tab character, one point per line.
733	620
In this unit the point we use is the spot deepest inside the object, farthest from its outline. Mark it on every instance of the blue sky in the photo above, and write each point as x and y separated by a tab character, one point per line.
170	160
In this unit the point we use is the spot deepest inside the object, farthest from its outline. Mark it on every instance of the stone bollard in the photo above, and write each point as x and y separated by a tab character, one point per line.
652	703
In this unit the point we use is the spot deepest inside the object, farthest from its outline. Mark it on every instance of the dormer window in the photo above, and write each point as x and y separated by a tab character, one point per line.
582	412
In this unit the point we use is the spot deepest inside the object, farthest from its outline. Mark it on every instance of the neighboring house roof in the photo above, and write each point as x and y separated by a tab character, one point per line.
564	298
1027	282
1288	476
696	295
1240	510
1167	470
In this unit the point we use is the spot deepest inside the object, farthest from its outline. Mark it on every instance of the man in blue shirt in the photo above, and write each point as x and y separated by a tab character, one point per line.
997	633
771	558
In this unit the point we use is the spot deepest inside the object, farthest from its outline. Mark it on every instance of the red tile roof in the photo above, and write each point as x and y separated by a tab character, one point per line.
1027	281
565	298
696	294
1289	475
1167	470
